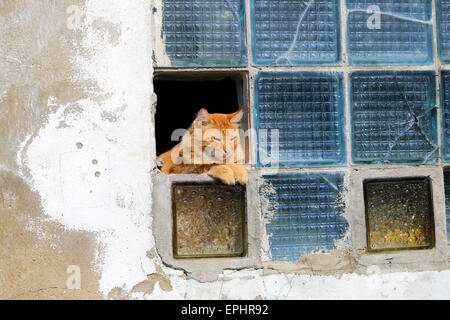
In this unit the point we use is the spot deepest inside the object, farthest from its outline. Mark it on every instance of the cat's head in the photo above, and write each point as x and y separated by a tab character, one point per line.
217	137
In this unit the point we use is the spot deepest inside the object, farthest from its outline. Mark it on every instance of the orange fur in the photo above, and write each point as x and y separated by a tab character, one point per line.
211	145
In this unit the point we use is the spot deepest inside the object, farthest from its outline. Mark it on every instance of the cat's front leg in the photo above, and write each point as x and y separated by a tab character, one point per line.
240	173
223	173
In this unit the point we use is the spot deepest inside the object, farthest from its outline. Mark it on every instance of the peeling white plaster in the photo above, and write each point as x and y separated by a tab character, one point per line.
64	175
3	95
159	46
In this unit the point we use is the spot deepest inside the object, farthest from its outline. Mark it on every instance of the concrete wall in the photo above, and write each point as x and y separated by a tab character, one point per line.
76	163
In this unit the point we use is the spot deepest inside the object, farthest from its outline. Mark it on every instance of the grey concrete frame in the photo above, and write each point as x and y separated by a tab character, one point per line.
204	269
356	214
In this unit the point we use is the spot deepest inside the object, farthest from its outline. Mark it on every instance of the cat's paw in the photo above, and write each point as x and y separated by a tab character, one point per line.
241	176
227	179
224	174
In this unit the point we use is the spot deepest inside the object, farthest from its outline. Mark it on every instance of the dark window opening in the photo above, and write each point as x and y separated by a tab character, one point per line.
180	96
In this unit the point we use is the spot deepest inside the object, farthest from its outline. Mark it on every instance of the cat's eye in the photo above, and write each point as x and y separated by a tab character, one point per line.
217	139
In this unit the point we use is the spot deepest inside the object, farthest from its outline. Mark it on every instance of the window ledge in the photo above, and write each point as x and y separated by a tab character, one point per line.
437	254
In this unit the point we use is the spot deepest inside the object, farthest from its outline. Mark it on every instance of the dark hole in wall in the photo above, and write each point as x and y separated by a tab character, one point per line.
180	97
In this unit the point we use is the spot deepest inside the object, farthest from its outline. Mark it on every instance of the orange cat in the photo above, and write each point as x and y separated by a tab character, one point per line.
211	145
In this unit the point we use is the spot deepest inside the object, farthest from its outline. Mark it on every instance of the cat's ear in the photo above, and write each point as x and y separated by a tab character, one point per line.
202	119
236	117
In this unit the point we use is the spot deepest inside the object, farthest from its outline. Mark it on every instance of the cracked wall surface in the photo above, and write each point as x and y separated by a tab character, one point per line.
76	163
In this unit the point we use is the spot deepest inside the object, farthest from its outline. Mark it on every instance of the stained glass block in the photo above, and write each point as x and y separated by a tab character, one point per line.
393	117
300	119
447	201
209	221
443	27
204	32
445	114
399	214
293	32
307	213
389	32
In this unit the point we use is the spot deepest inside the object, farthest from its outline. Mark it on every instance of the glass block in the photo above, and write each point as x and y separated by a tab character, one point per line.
306	110
403	36
443	27
393	117
447	201
209	221
399	214
204	32
307	213
292	32
445	114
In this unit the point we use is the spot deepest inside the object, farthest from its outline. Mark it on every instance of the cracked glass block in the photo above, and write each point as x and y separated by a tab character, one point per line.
300	119
447	201
445	114
295	32
443	27
204	32
209	221
304	213
393	117
389	32
399	214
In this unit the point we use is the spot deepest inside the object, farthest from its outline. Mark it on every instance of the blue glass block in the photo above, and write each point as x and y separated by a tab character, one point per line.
404	35
393	116
307	109
445	114
443	27
295	32
447	201
307	213
205	32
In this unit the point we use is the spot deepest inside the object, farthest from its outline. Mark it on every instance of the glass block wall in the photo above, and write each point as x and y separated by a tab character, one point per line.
393	117
307	109
204	33
404	35
308	215
295	32
344	84
399	214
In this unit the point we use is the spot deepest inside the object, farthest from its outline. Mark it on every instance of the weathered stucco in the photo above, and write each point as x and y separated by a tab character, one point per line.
76	163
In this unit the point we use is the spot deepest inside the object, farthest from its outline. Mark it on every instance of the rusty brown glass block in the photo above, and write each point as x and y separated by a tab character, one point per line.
399	214
209	221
